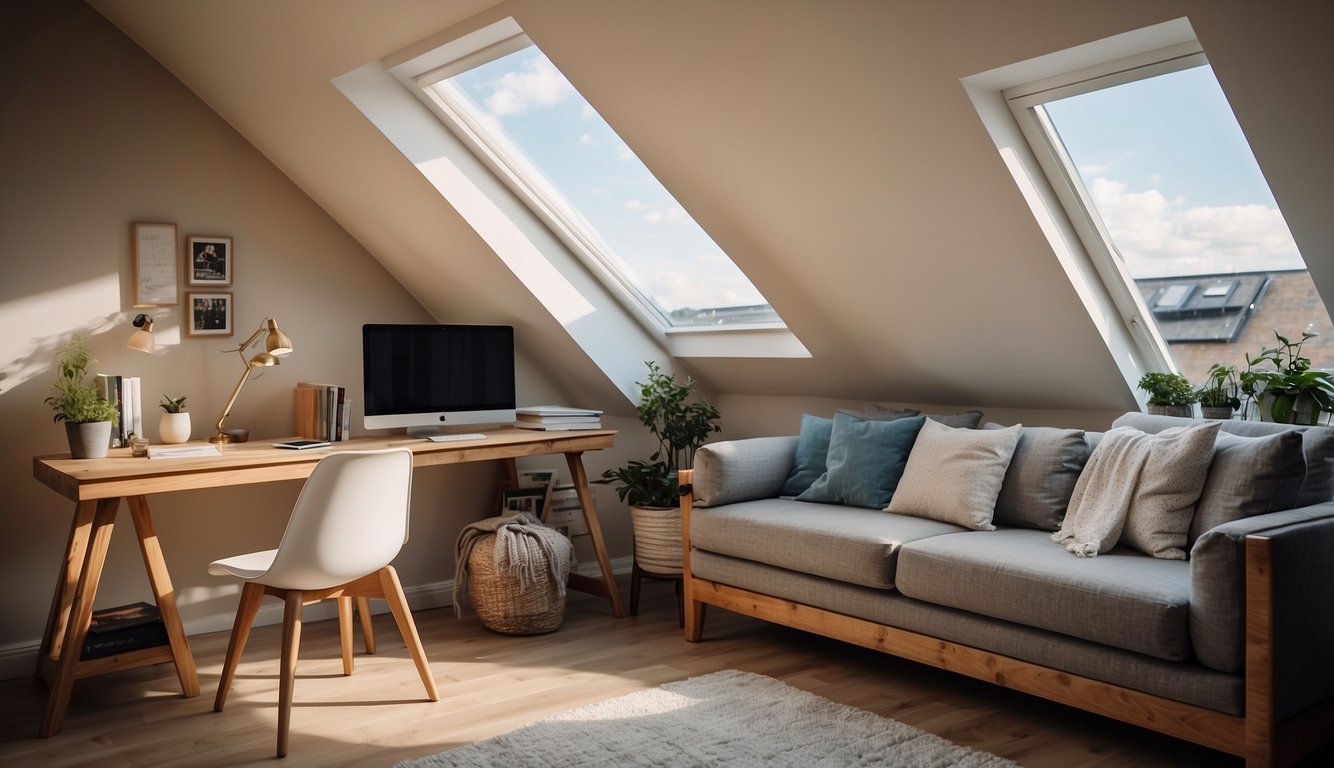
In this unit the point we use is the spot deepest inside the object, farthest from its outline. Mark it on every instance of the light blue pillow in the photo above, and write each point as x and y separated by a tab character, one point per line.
812	447
865	461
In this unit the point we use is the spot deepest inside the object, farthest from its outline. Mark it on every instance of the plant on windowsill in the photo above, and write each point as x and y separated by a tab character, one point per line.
174	426
87	417
1283	385
1170	394
1218	396
681	425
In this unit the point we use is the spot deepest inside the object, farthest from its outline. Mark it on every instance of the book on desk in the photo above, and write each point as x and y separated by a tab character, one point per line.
557	417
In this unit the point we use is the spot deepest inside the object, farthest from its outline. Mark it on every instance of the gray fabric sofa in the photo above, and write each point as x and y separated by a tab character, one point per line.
1231	648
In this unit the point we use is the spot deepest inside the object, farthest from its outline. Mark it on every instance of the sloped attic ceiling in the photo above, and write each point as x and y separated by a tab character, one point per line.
827	146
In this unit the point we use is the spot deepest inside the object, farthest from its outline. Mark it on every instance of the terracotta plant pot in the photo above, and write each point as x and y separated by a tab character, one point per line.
89	440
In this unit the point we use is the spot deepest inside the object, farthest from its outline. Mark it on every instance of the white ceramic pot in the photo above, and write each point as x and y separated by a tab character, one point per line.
174	427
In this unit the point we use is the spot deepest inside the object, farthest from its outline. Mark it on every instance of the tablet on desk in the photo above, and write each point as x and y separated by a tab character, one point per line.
300	445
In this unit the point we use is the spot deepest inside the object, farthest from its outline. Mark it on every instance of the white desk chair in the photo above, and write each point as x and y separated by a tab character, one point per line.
350	520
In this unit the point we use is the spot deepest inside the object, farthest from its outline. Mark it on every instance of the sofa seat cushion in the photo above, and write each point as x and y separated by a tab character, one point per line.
1122	598
858	546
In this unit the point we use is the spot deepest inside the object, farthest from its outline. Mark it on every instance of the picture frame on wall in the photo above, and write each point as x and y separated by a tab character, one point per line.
208	314
208	260
153	249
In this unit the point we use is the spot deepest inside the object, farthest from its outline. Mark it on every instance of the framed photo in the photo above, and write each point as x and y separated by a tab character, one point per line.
155	259
208	260
530	500
208	314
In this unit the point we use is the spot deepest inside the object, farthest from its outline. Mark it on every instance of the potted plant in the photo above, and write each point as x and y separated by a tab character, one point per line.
1218	396
88	418
1170	394
174	426
1283	385
681	425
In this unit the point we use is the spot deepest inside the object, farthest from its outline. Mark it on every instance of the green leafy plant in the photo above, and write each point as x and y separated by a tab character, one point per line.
1282	383
75	400
680	424
1167	388
172	404
1220	388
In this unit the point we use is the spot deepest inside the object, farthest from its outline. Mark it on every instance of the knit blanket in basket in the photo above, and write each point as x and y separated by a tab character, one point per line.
525	550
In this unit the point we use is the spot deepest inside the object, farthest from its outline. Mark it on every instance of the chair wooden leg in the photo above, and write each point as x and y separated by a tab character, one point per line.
367	628
345	632
398	605
251	596
287	674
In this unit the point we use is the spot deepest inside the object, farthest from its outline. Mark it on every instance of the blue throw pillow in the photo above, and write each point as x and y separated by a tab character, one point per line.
865	461
812	446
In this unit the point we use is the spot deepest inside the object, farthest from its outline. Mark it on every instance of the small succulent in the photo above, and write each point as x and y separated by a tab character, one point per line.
173	404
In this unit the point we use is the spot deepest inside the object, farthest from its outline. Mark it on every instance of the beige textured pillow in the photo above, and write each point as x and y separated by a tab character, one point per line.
954	474
1158	523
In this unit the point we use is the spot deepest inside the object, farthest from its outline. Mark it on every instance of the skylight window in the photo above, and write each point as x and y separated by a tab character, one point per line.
1160	183
525	119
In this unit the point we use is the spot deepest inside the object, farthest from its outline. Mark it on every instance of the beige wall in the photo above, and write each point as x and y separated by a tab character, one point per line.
97	135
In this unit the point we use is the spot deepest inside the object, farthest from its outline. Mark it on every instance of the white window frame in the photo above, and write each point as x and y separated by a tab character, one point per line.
509	164
1025	101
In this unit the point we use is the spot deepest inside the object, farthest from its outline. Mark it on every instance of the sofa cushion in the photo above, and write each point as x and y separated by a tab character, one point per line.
1042	475
858	546
1317	448
1139	489
812	448
1123	598
953	474
865	461
1249	476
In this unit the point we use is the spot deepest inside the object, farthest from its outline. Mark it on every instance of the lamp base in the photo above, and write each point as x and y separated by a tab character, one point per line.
221	438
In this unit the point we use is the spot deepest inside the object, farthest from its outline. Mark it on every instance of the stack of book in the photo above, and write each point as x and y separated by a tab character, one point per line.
124	628
323	412
124	392
557	417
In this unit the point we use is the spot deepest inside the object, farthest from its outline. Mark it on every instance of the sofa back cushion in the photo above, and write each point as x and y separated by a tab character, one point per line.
1249	476
1042	475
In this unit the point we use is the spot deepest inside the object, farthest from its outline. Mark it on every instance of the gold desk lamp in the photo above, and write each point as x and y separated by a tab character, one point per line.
276	345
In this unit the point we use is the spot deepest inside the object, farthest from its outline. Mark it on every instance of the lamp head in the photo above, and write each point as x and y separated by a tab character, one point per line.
142	339
277	342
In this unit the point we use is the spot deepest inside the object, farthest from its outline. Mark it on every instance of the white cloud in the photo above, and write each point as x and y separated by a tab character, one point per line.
1160	237
538	84
587	140
672	215
634	205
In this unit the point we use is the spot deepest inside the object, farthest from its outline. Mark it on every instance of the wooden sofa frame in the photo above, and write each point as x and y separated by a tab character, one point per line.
1256	736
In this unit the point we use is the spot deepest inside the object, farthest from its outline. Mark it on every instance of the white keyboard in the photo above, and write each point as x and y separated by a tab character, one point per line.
449	437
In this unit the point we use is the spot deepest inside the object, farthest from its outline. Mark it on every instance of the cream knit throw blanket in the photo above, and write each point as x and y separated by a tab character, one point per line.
1103	493
522	546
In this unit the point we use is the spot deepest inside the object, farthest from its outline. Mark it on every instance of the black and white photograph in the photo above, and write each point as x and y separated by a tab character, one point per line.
530	500
209	314
209	260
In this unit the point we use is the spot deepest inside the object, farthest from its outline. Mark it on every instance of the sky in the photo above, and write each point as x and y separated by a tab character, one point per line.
666	253
1170	171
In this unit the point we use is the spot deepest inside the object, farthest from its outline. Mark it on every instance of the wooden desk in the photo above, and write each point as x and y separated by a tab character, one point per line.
98	485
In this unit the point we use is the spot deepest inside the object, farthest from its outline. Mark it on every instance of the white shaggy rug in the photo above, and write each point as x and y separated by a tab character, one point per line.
727	718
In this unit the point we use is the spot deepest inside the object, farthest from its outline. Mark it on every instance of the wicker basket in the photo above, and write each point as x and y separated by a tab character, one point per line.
500	603
658	540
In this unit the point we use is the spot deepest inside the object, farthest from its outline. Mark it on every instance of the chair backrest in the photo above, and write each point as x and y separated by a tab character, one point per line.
350	520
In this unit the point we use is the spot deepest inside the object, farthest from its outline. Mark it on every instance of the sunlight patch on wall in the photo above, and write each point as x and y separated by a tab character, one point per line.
37	323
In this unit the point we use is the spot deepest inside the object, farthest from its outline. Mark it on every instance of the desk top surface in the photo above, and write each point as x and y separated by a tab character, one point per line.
120	474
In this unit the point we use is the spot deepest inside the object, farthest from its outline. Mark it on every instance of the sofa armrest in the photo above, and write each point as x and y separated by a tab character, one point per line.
741	470
1300	542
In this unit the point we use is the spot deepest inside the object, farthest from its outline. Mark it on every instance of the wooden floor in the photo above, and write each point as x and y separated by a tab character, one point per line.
492	683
